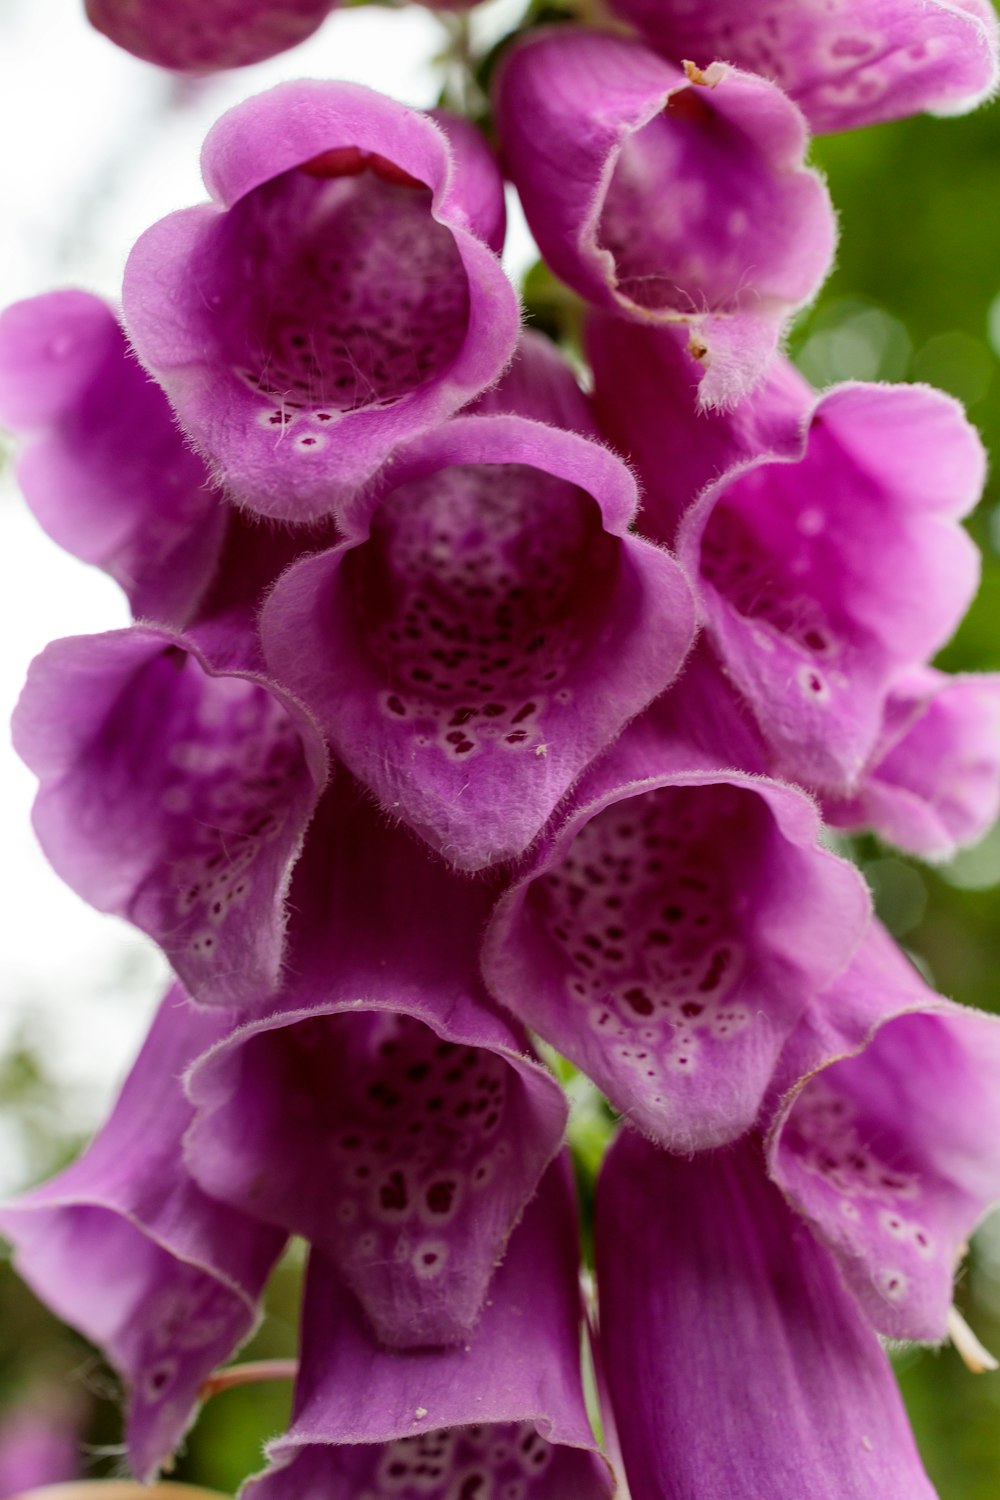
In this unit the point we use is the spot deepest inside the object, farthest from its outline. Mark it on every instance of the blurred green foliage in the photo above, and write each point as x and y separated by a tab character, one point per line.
915	296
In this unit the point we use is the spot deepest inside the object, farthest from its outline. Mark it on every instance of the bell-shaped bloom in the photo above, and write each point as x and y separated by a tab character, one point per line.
738	1364
341	293
845	62
668	196
104	468
502	1418
888	1140
173	794
202	36
669	934
384	1109
487	628
646	399
126	1248
933	782
539	383
825	573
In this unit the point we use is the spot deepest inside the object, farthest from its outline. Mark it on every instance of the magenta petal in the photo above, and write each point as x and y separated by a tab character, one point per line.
888	1141
174	795
826	572
486	631
503	1416
333	302
384	1109
852	63
738	1365
933	782
669	974
647	398
104	469
540	384
202	36
667	196
126	1248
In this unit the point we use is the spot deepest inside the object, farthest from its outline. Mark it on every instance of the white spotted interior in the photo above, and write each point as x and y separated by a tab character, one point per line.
503	1462
411	1130
479	591
853	1176
772	565
647	912
337	294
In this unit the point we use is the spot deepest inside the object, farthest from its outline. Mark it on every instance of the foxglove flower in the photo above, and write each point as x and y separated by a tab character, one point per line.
125	1247
486	629
341	294
845	63
201	36
502	1417
384	1108
104	468
738	1364
173	794
888	1142
666	196
646	400
933	782
825	574
668	935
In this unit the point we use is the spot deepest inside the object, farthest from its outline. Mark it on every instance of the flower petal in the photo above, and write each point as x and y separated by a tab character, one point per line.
384	1109
104	469
666	195
738	1365
933	782
667	937
125	1247
825	573
888	1140
502	1416
201	36
336	299
488	627
845	63
174	795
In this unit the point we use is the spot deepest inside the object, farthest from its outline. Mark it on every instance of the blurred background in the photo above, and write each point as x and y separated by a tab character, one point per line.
97	146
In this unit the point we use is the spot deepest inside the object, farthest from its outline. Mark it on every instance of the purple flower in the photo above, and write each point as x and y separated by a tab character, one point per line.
340	295
201	36
646	399
933	781
384	1108
738	1364
888	1141
125	1247
503	1416
845	63
671	197
174	794
104	469
669	935
488	626
825	573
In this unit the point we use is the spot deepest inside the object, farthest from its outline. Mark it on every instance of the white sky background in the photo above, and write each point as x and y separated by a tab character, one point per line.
96	146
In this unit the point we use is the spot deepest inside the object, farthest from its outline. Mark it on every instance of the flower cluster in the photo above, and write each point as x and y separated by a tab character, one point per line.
430	750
